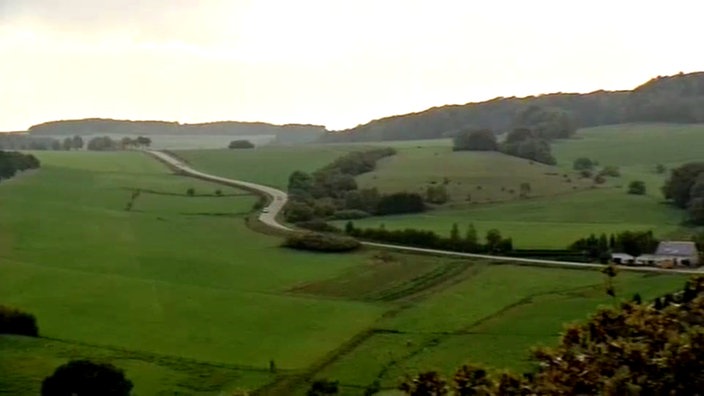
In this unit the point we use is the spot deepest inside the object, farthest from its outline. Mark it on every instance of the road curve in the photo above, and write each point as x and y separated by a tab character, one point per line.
278	198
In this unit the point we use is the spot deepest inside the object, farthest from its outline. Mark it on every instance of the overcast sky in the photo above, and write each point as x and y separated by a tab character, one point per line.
331	62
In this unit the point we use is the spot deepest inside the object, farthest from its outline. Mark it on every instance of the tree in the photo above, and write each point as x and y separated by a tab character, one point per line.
437	194
323	387
493	240
471	239
14	321
191	191
296	211
611	171
475	140
455	234
77	142
86	378
636	187
678	187
142	141
583	163
103	143
240	144
695	209
525	190
547	123
67	144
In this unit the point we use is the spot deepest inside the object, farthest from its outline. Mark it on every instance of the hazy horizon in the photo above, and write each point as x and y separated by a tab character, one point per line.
337	64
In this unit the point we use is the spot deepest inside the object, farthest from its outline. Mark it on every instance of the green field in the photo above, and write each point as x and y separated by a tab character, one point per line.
470	177
186	298
161	279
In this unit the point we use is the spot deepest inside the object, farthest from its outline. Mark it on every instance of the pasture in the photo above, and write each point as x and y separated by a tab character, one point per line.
268	165
180	293
554	221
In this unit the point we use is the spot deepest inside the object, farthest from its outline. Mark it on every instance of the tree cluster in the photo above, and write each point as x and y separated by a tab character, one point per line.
72	143
12	162
14	321
634	349
685	188
332	192
103	143
138	142
321	242
475	140
600	248
468	243
86	378
240	144
529	144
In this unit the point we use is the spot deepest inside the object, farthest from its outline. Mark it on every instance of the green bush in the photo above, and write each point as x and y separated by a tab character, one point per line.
83	377
321	242
14	321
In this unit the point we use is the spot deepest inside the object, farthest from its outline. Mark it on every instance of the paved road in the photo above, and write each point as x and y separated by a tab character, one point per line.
278	198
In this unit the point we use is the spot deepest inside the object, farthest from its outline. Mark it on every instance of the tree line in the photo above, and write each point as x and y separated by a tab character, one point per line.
76	142
533	130
332	192
12	162
468	242
678	98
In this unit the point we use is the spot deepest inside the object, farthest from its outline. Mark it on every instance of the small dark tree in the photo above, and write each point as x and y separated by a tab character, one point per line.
636	187
323	387
191	192
240	144
86	378
583	163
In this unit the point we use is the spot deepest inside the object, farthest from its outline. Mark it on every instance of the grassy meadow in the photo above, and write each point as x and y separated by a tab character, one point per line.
557	218
186	298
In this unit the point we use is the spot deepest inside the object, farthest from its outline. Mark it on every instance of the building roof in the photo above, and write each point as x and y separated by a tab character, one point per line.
622	256
670	248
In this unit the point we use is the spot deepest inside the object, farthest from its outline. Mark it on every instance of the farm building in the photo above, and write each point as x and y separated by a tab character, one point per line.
622	258
668	253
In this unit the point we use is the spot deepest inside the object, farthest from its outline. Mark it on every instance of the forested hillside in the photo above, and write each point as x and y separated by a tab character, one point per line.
678	98
292	133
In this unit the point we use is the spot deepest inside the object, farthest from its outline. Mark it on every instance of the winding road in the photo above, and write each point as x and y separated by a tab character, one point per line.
278	198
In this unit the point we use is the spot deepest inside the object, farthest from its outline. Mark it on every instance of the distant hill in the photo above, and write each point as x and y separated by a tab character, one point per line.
291	133
678	99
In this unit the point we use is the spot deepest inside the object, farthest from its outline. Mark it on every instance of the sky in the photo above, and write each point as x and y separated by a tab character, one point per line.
336	63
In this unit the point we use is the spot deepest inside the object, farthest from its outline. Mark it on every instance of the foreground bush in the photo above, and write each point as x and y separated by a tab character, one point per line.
636	349
86	378
14	321
321	242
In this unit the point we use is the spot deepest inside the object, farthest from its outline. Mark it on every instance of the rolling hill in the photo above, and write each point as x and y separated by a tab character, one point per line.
678	99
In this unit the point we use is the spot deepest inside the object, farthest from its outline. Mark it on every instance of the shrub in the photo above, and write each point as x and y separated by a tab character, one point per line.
14	321
86	378
583	163
321	242
240	144
400	203
191	192
611	171
350	214
636	187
